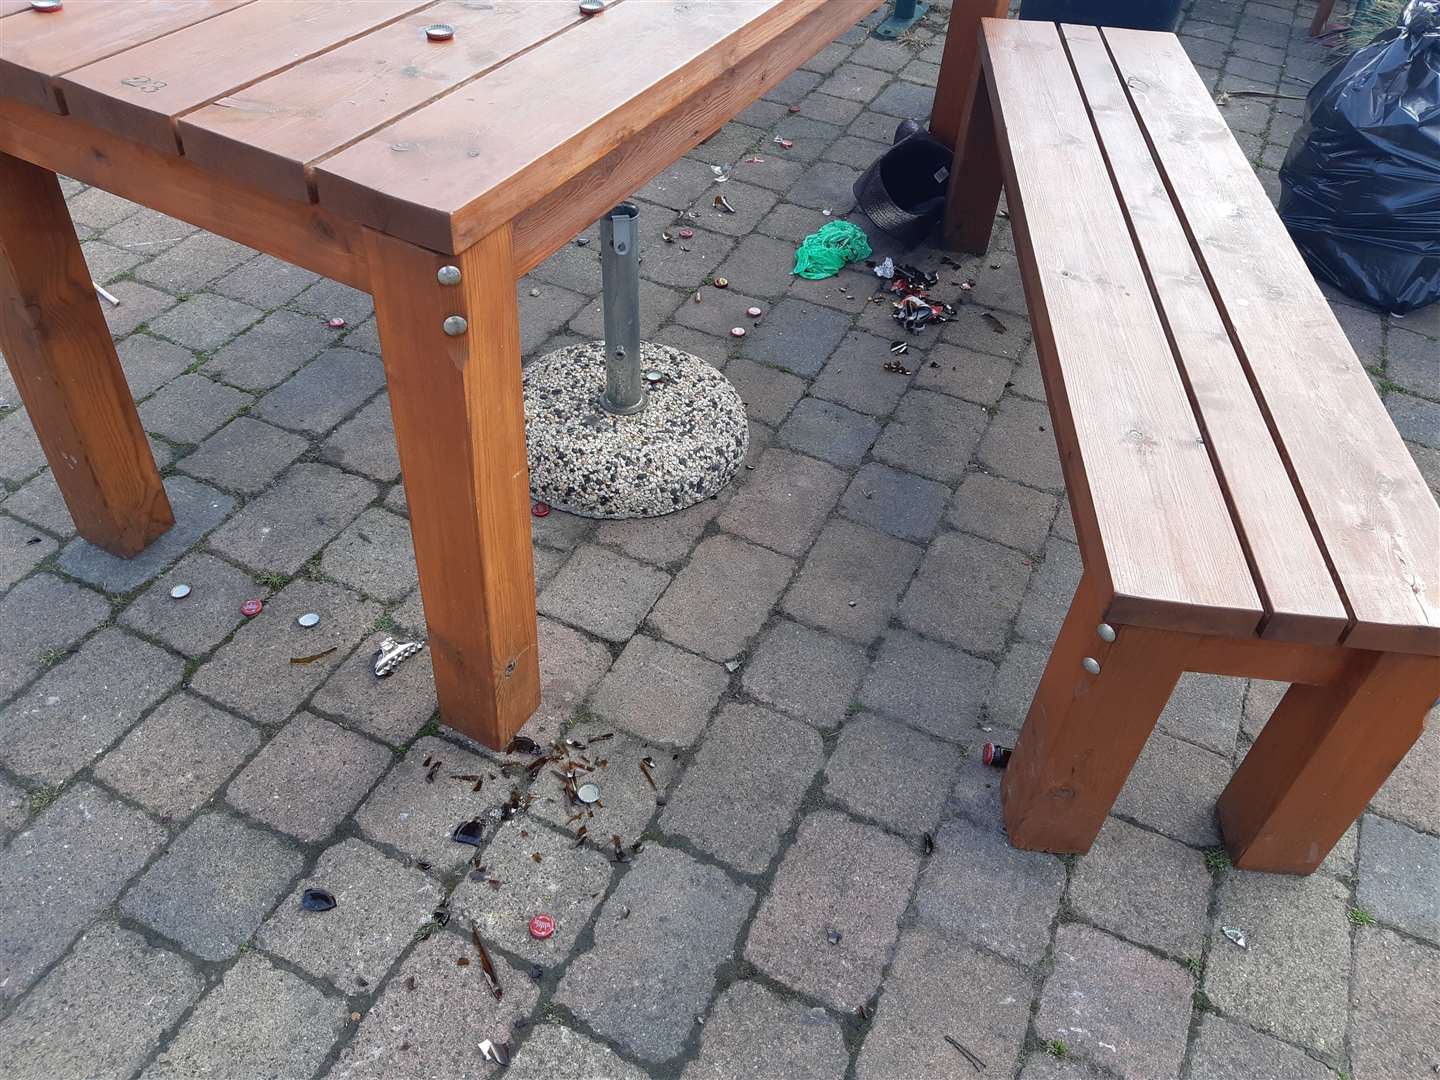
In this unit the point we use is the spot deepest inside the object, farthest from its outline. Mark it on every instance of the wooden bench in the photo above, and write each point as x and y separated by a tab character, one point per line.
1243	503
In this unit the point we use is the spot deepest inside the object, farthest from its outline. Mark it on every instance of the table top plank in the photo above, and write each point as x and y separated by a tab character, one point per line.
1299	594
36	47
1152	519
455	170
269	133
139	93
1371	507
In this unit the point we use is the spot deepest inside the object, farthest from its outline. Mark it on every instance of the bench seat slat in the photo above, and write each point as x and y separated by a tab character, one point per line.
1372	511
1151	516
1300	598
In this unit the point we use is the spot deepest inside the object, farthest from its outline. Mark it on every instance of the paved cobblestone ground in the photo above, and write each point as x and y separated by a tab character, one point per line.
811	662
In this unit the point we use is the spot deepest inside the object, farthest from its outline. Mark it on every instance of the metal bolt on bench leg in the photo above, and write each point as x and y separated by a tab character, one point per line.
1106	632
620	280
1091	665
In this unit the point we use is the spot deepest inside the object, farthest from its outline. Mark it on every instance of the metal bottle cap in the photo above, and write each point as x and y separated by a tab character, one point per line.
588	793
591	7
179	592
308	619
440	31
46	5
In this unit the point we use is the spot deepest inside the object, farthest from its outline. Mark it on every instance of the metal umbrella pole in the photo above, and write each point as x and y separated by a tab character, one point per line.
620	280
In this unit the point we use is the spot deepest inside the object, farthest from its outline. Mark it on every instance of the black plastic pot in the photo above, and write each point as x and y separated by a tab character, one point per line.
1134	14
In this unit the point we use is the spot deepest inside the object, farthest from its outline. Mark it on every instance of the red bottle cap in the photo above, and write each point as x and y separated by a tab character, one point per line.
541	509
251	608
542	927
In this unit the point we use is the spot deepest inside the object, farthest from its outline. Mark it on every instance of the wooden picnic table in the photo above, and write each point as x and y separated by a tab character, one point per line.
342	138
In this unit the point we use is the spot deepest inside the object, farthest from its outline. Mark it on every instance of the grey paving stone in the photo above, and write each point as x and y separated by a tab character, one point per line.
796	336
20	452
752	1031
193	894
741	793
189	265
807	673
932	984
659	692
854	375
266	282
1052	587
1416	419
99	209
1292	978
1145	888
139	306
198	508
826	185
854	82
406	1035
932	434
270	350
927	684
1409	794
308	778
417	816
852	580
816	891
829	431
1041	1065
204	321
896	502
1261	698
1225	1050
559	530
1114	1003
904	99
682	923
758	266
657	305
660	541
323	392
83	704
1396	993
55	1033
393	708
178	756
332	300
719	601
550	1051
285	526
245	455
148	231
890	773
963	373
150	363
1015	684
769	394
565	883
21	550
260	1021
979	888
967	592
1400	877
39	502
14	808
629	802
790	222
751	204
1172	789
1020	444
252	673
784	502
603	593
366	443
996	509
570	667
197	623
40	618
379	905
682	265
679	185
1205	709
61	872
374	555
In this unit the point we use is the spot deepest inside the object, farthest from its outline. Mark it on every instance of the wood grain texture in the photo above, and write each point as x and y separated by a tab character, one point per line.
960	67
140	92
456	169
1300	599
36	47
460	428
268	134
1155	532
1323	10
1083	732
59	350
1374	515
977	177
1320	759
302	234
557	217
1256	658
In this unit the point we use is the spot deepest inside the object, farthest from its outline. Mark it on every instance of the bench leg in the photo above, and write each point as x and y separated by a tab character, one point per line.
962	118
1323	11
1320	759
1084	731
459	418
59	349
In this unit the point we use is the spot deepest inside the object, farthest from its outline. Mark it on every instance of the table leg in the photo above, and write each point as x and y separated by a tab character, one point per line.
1323	11
460	427
962	117
59	349
1085	730
1320	759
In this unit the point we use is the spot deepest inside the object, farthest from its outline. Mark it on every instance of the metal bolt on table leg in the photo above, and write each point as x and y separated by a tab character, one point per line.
448	275
1106	632
455	325
1091	665
620	280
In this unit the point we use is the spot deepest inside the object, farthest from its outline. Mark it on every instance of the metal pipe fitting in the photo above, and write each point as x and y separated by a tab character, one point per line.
620	280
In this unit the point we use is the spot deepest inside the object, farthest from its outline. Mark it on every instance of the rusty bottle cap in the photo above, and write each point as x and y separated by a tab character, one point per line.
542	927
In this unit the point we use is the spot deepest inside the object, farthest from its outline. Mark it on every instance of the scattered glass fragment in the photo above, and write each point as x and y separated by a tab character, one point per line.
722	203
994	323
722	283
833	936
485	965
317	900
1235	934
314	656
179	592
582	241
468	832
886	269
929	844
899	348
522	744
